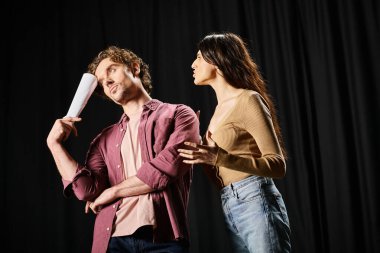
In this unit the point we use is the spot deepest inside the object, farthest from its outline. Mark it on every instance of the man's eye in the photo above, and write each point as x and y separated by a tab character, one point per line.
111	70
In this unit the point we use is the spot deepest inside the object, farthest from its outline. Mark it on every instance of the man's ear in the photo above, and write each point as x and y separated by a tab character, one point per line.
136	69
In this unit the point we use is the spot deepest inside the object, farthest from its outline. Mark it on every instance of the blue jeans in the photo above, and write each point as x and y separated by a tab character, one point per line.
256	217
142	242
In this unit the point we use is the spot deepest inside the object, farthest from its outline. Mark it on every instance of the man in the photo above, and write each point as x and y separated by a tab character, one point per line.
133	177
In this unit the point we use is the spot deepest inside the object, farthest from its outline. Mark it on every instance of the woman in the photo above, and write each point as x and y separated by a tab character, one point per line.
242	148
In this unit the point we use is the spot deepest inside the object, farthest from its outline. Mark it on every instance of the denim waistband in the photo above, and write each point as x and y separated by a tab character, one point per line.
239	184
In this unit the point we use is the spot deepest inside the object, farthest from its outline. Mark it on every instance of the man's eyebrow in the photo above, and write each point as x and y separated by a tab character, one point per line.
113	64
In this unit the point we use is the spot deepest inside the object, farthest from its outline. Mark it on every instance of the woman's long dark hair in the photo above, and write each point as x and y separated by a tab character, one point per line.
229	53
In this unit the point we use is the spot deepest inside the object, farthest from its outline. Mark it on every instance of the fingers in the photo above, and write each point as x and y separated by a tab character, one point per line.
191	144
189	154
199	147
87	207
70	122
61	130
91	206
74	130
198	113
186	155
66	130
185	151
71	119
67	125
95	209
195	145
193	157
200	156
199	151
192	161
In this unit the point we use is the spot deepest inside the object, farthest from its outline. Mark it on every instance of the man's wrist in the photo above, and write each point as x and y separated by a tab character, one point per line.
117	189
52	145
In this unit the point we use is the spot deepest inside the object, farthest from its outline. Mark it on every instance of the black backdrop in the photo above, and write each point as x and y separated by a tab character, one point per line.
321	60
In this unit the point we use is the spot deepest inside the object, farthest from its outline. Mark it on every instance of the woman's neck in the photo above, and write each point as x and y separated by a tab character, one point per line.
225	91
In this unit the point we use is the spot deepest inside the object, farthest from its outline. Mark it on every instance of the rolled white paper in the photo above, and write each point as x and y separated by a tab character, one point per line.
84	91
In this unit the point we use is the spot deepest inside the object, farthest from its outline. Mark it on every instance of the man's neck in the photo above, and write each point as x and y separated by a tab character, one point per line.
134	105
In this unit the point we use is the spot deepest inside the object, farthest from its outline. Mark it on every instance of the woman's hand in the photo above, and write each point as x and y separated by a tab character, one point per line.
205	154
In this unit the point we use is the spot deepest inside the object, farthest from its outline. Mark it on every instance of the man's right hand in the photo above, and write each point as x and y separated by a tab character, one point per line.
61	130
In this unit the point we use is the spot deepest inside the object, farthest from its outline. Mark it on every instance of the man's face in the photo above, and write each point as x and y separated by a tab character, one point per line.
117	80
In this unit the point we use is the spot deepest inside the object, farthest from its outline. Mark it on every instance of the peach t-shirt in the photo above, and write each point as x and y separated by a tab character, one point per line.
135	211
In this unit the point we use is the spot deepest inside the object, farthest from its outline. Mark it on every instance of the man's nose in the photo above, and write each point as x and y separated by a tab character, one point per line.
109	82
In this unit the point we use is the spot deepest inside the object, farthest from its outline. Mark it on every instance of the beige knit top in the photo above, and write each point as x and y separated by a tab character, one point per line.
247	140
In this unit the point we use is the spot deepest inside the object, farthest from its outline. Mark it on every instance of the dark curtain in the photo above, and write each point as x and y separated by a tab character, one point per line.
321	61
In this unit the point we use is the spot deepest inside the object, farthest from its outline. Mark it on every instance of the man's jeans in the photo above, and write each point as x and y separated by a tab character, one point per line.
256	216
142	242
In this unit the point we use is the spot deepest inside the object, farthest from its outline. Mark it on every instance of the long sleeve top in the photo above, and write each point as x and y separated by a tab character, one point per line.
163	129
248	142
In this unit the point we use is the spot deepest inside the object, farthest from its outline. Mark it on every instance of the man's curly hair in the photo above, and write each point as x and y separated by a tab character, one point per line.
126	57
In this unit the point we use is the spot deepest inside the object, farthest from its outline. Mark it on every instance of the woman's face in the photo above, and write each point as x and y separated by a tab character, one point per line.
203	72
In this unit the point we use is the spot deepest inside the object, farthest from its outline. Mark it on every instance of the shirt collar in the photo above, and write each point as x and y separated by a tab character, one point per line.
150	105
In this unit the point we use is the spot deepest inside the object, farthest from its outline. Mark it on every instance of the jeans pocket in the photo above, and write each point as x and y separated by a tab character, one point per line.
248	193
276	205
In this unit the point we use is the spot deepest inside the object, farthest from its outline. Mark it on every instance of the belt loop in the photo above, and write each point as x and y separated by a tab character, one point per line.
234	191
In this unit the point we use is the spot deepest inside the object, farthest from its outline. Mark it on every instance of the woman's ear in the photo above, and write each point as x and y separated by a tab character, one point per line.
218	70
